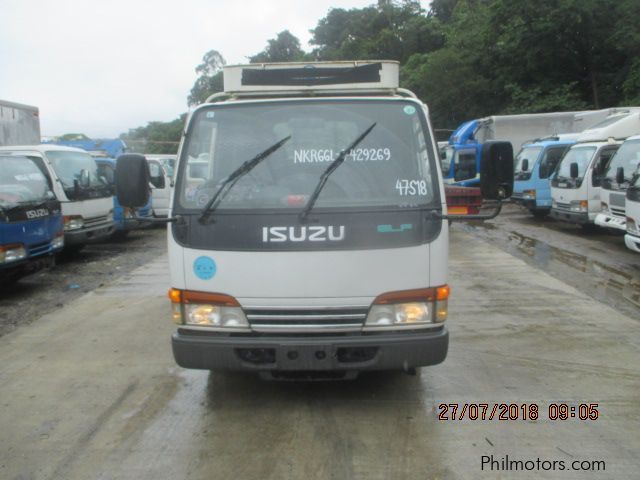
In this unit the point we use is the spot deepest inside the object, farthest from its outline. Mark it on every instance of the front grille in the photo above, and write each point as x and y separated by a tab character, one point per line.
95	221
306	319
563	206
618	212
39	249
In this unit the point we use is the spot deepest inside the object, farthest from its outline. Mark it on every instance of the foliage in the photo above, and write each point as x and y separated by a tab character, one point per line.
72	137
284	48
473	58
210	78
156	137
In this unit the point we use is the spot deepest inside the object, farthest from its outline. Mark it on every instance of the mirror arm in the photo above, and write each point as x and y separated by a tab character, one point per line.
482	216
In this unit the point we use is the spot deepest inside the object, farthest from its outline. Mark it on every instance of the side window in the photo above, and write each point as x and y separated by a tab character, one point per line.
157	175
550	160
465	167
600	164
106	171
40	163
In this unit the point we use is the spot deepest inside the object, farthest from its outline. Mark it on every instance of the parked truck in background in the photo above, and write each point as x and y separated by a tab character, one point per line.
632	207
86	200
19	124
620	173
576	183
461	157
31	231
534	164
312	236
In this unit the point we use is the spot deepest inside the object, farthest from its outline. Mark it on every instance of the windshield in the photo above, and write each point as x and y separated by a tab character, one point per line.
627	157
390	167
581	155
531	155
446	158
22	182
69	165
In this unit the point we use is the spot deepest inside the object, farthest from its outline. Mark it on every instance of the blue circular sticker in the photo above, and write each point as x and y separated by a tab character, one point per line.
409	109
204	268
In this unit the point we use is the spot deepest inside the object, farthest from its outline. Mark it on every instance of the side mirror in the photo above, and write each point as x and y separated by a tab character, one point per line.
132	180
85	179
573	170
525	165
620	175
496	170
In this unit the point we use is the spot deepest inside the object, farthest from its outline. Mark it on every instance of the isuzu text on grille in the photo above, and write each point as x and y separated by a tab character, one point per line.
303	234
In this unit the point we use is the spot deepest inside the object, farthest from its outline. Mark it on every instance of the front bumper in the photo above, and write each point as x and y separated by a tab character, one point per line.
384	351
581	218
632	242
27	266
84	235
609	221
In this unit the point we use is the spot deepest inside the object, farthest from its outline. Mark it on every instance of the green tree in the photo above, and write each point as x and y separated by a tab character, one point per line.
284	48
389	30
209	79
156	137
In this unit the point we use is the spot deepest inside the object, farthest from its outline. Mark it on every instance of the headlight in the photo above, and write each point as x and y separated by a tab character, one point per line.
604	206
73	222
12	253
409	309
631	225
554	204
203	309
579	205
110	216
58	241
529	194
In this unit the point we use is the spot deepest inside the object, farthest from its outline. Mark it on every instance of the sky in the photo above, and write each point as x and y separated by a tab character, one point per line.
102	67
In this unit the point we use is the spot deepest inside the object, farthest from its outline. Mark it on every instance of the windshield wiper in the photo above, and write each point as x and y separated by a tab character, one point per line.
227	183
330	169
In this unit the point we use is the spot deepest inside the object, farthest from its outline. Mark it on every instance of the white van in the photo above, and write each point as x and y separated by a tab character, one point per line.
308	223
576	183
161	168
86	200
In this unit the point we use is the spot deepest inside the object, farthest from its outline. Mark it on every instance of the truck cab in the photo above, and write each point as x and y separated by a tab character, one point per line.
86	202
576	186
618	175
534	165
308	223
30	219
632	206
161	168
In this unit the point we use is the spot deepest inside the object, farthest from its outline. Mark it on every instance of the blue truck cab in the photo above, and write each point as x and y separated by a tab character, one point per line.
533	167
124	218
460	158
31	224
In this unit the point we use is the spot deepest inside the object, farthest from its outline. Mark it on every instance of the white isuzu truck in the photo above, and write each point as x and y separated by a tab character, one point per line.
618	176
308	223
86	200
576	183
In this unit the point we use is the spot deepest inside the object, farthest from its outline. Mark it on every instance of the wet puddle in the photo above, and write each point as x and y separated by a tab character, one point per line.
616	287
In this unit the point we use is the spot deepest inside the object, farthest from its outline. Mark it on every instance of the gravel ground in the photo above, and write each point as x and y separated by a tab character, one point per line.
24	301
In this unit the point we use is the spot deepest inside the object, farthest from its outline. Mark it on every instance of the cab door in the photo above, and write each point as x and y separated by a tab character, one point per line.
160	189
